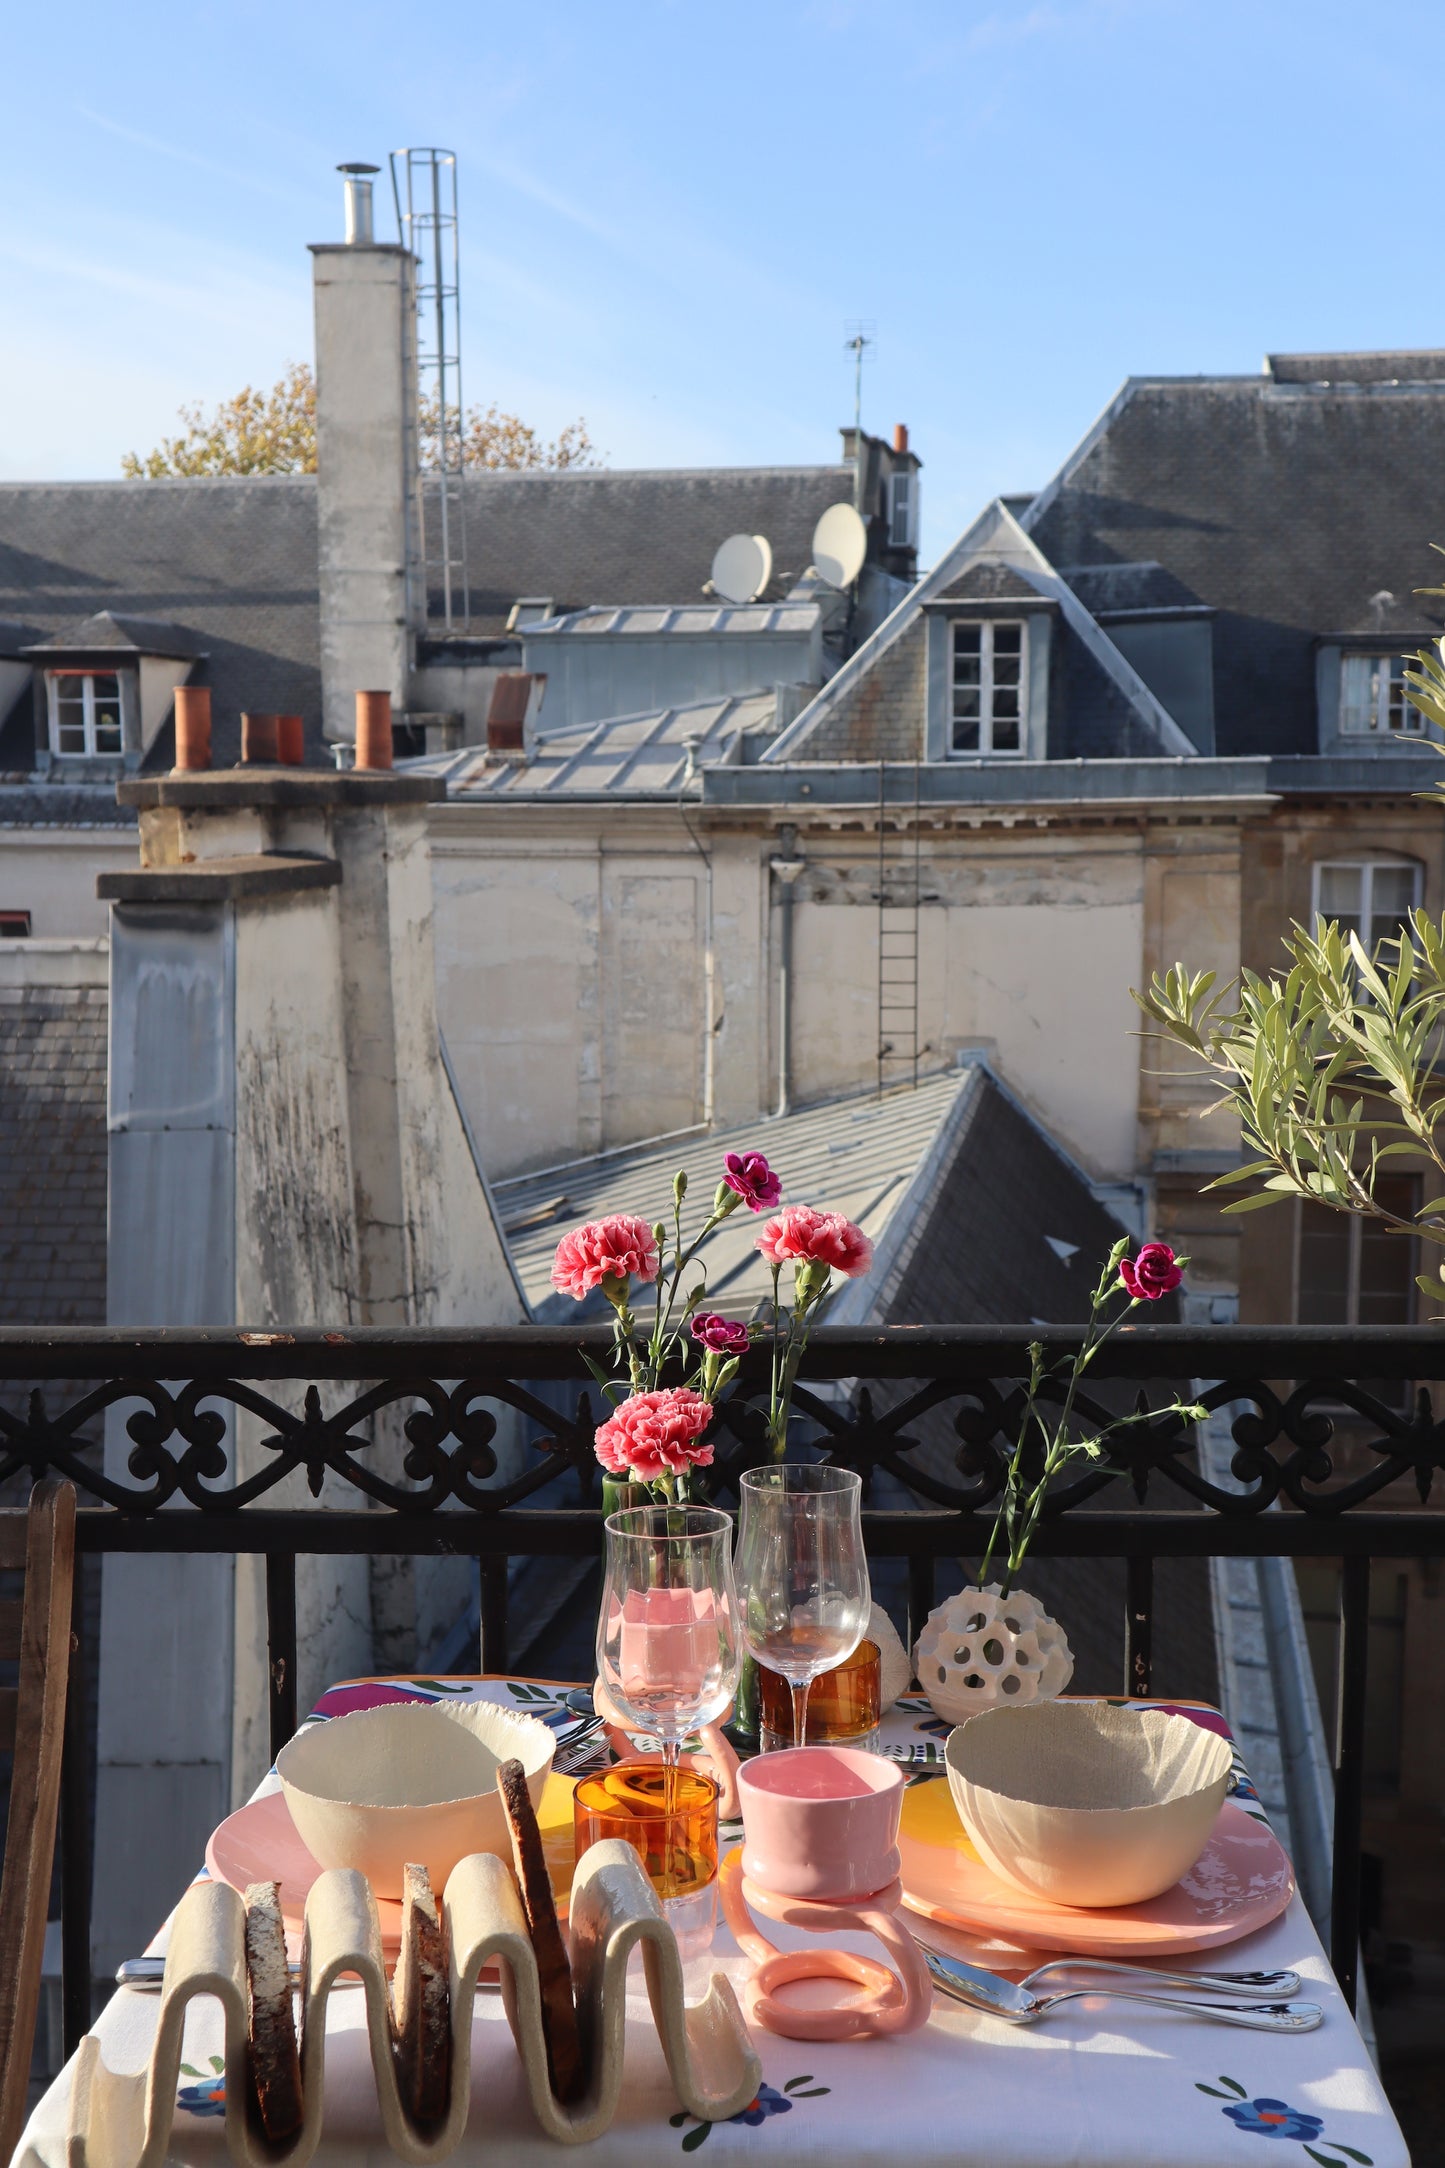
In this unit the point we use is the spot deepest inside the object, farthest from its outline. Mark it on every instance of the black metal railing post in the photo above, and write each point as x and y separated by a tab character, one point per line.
281	1646
492	1655
75	1844
921	1585
1139	1627
1349	1773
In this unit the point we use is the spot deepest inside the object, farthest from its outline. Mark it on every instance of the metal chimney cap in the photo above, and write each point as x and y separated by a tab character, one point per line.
357	165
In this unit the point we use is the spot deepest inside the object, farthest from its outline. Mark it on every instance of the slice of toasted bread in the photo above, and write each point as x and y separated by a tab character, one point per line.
559	2014
421	2002
275	2062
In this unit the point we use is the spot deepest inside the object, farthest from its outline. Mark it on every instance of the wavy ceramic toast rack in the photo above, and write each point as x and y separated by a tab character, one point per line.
123	2120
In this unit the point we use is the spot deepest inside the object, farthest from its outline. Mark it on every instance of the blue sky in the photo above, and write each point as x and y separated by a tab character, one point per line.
669	213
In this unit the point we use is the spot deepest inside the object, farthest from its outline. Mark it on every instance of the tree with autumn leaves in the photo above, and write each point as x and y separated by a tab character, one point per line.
274	432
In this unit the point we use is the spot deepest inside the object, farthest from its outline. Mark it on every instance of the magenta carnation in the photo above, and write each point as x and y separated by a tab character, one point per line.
800	1235
719	1333
753	1179
1152	1273
656	1434
618	1249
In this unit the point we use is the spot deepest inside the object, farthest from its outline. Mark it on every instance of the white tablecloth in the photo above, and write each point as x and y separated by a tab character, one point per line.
1099	2086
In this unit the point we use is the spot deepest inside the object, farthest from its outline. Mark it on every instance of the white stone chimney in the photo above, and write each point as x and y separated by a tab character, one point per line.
365	299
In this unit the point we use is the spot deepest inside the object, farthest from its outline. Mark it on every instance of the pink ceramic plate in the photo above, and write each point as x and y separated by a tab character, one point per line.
1240	1881
259	1843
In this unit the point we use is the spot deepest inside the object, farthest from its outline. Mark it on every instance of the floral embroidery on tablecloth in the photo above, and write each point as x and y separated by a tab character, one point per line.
766	2102
208	2095
1266	2117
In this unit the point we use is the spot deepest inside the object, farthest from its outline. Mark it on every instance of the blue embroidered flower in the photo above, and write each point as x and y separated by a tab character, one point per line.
769	2101
1274	2119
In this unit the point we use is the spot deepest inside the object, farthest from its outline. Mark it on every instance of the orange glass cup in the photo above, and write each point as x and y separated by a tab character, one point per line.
679	1850
845	1705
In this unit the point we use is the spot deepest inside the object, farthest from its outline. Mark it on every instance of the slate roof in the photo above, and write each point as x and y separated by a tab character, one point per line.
1296	504
634	537
52	1155
231	562
230	565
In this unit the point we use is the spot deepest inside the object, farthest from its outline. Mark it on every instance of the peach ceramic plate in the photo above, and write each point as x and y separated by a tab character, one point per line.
259	1843
1241	1880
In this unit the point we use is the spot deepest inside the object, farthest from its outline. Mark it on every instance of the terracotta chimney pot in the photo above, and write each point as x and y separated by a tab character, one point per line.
193	726
900	436
373	730
258	738
290	740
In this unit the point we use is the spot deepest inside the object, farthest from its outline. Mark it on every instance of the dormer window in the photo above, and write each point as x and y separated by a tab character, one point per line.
989	687
1373	701
86	713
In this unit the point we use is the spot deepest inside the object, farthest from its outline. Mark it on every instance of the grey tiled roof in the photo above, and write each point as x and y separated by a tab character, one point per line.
644	537
1294	509
52	1155
232	561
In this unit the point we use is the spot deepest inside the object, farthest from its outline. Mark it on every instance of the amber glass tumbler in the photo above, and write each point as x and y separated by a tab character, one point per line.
680	1851
844	1705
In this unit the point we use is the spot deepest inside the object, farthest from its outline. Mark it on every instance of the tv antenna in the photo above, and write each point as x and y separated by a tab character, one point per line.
861	342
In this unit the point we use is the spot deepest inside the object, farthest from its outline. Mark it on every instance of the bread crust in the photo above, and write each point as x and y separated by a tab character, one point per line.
421	2002
559	2013
271	2023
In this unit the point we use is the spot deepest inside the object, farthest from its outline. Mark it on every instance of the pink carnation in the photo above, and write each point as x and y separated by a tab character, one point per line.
717	1333
607	1249
799	1235
656	1434
1152	1273
750	1176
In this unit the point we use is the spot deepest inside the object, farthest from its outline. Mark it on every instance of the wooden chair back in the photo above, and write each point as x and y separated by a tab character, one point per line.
35	1634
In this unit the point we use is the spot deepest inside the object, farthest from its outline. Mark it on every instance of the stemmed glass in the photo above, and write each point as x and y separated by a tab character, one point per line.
802	1573
667	1647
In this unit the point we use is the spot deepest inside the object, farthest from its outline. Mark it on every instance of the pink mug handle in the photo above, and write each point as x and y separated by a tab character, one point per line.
889	2001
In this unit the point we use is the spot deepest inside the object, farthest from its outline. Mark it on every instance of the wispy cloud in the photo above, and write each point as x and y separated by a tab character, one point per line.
158	147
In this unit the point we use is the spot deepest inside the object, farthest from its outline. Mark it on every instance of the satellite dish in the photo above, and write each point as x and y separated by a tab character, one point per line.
840	544
742	567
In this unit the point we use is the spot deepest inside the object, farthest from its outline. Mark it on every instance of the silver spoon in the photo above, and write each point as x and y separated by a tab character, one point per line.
1267	1984
1018	2006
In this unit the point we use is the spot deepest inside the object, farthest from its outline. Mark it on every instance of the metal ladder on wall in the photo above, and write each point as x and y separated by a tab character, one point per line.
899	878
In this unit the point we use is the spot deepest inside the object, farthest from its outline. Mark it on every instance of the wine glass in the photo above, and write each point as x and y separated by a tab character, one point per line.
667	1648
802	1573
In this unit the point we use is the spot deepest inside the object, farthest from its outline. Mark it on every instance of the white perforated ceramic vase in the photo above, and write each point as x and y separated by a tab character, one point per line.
981	1650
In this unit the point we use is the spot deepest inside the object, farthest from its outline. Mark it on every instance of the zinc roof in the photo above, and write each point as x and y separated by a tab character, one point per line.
646	754
858	1156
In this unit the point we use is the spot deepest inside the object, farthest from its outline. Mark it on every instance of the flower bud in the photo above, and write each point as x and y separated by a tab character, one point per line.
725	1200
679	1185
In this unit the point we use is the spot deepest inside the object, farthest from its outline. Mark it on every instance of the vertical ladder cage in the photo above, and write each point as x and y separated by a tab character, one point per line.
899	895
424	183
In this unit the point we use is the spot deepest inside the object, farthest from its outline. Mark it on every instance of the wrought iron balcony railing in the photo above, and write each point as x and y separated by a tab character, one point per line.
405	1432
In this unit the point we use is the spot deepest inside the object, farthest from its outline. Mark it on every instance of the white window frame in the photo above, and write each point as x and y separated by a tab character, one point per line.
1367	868
987	628
87	678
1365	708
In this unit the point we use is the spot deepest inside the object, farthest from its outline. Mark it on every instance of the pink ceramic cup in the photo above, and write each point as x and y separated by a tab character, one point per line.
821	1822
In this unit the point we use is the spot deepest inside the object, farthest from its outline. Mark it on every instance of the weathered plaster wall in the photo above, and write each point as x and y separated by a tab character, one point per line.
50	872
577	982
